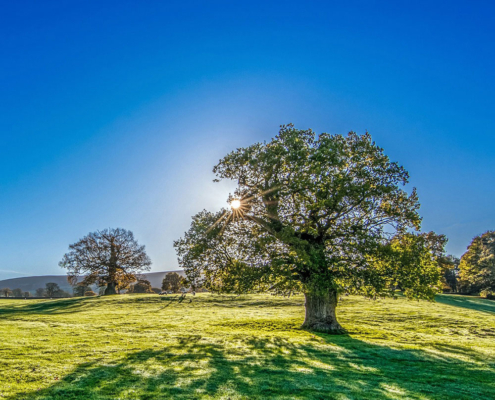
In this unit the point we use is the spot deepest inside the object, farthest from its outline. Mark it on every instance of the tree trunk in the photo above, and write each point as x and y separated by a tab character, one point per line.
112	270
320	312
110	289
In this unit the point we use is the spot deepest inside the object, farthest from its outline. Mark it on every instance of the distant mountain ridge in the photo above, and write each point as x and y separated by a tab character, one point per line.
31	283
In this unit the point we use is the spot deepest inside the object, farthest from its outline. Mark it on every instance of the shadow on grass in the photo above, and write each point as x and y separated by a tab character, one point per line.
55	306
329	367
230	301
470	302
67	306
226	301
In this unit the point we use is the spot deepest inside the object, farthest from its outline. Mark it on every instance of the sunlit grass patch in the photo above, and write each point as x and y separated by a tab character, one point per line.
246	347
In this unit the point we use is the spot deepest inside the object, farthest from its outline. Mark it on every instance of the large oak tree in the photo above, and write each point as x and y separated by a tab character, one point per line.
110	257
322	214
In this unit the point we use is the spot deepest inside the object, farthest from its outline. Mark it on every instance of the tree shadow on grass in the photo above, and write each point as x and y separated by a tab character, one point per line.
226	301
470	302
329	367
52	306
248	300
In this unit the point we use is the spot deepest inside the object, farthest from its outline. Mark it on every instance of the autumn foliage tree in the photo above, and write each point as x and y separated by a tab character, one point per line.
321	214
111	258
79	290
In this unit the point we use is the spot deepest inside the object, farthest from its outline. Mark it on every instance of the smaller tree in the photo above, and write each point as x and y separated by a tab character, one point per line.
110	258
477	266
40	292
7	292
141	286
17	292
80	289
408	262
172	281
53	290
449	266
27	294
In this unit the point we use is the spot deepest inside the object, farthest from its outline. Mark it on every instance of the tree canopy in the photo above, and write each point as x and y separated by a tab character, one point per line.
111	258
53	290
322	214
449	266
79	289
477	266
141	286
172	281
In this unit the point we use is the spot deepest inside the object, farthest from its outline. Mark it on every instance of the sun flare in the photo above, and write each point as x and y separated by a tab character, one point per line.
235	204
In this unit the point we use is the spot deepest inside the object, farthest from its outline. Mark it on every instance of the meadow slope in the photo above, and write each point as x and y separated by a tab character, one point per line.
247	347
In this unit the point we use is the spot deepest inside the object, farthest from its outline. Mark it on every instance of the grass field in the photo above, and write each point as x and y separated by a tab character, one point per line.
249	347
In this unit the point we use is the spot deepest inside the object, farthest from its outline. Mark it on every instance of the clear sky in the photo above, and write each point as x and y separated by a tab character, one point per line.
112	114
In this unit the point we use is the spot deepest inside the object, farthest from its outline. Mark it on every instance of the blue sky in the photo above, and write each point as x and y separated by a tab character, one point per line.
114	113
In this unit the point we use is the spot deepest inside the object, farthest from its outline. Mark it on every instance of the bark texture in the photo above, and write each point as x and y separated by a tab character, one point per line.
320	312
112	270
110	289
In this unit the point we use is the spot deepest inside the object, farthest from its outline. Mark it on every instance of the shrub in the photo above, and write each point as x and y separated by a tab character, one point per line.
487	294
89	293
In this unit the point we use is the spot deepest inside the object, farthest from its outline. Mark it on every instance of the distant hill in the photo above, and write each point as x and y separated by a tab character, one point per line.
31	283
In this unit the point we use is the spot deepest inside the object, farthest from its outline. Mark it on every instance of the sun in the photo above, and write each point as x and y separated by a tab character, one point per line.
235	204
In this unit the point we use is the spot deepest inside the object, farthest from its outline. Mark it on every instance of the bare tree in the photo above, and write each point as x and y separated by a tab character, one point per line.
110	258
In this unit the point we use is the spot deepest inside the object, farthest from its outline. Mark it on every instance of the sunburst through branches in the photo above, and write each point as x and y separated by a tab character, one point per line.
239	207
235	204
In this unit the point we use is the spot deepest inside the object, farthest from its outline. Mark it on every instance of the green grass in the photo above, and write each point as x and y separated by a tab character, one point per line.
249	347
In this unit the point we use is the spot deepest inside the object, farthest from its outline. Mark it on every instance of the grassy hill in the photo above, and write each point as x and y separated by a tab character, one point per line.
31	283
249	347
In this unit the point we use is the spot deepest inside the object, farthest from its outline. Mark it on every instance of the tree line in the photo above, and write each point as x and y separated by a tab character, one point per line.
51	290
172	282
